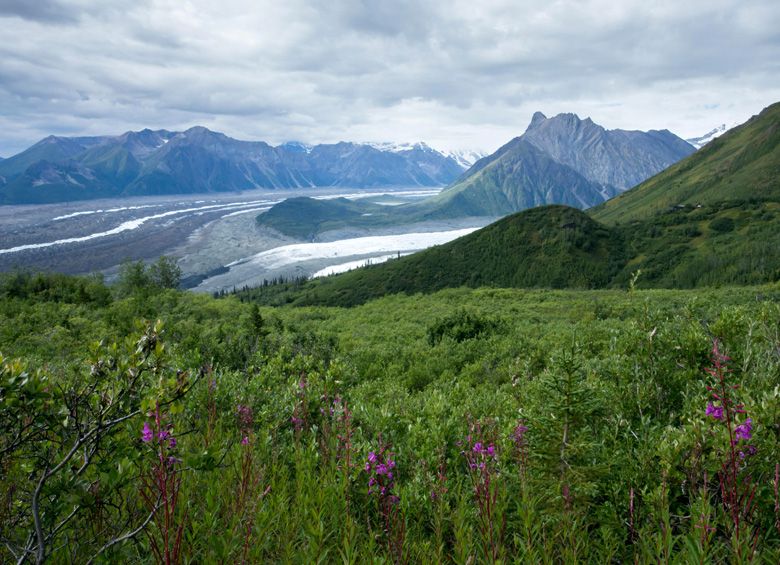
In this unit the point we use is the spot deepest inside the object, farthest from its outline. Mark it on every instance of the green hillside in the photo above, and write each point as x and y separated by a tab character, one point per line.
550	246
742	164
713	218
731	242
305	217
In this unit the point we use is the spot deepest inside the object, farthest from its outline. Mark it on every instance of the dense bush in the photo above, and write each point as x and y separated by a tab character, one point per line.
584	427
722	225
460	326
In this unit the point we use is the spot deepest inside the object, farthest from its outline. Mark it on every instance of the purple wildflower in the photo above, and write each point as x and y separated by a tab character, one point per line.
172	442
146	433
744	430
297	423
379	466
245	440
714	411
749	451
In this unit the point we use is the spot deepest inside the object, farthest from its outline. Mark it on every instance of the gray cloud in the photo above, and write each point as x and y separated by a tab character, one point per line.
49	11
455	73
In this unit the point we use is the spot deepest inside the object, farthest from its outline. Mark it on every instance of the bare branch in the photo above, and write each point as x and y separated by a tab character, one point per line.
62	524
41	549
128	535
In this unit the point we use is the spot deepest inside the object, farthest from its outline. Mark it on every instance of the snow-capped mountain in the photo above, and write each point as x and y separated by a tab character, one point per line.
465	157
394	147
296	147
699	142
58	169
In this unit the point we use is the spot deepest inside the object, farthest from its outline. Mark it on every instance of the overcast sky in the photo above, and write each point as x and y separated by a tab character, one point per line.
458	74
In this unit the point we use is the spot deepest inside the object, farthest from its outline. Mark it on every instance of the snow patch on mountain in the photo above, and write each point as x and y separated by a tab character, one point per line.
465	157
699	142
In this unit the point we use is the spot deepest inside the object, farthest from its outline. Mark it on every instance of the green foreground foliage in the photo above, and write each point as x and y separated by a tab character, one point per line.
519	426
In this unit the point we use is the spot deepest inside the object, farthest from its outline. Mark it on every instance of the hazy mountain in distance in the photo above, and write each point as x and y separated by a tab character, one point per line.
199	160
516	177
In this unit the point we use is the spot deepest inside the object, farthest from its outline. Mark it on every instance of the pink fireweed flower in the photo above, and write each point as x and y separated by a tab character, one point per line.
714	411
744	431
146	433
379	466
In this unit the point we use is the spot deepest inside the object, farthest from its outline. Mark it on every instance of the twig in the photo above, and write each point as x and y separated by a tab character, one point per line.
128	535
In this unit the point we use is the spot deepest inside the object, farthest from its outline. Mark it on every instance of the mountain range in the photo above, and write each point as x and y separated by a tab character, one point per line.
558	160
711	219
199	160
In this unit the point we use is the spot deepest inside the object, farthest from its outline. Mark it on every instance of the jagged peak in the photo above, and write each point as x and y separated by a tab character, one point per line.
537	119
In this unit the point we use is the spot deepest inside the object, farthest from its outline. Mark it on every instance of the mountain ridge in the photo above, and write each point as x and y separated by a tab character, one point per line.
149	162
559	160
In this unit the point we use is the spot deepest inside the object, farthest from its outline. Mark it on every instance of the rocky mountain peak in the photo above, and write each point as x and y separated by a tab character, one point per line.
616	158
536	120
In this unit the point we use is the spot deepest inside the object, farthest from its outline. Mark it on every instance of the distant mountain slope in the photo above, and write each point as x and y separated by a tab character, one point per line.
199	160
304	217
742	164
52	149
617	158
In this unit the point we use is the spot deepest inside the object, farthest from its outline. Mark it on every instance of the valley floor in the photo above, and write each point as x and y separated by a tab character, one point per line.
206	233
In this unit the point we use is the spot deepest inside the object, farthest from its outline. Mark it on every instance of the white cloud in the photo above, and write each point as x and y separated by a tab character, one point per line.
456	73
